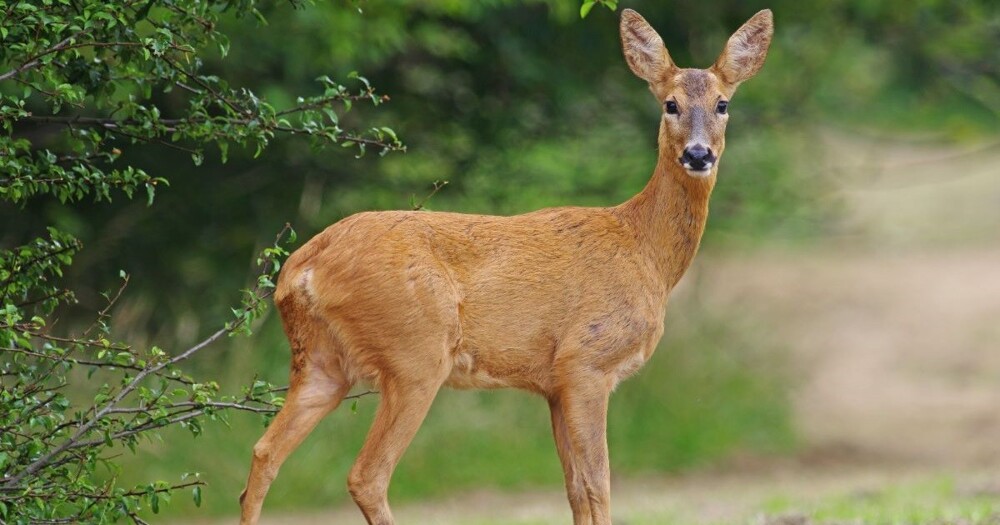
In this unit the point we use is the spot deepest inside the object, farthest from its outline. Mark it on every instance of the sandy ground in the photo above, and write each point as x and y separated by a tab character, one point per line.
892	327
896	356
896	326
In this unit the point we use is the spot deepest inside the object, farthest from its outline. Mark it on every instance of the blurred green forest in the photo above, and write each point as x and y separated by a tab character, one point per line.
518	105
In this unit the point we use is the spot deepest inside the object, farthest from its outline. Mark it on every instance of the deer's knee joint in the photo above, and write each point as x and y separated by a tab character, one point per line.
365	488
263	464
261	453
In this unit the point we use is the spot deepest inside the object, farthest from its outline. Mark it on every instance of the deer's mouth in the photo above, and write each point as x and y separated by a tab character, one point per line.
697	168
697	160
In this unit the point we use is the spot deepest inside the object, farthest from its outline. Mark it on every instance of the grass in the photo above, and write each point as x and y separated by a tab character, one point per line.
711	391
939	500
936	500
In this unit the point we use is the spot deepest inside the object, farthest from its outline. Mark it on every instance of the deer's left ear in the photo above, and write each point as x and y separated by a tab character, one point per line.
746	50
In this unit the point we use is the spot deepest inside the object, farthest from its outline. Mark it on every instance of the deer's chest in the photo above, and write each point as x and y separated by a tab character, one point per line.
620	343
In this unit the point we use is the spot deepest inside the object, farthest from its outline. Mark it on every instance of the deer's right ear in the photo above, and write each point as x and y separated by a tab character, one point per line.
645	53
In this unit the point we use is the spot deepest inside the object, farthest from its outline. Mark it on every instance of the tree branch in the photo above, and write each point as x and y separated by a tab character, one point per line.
33	61
74	441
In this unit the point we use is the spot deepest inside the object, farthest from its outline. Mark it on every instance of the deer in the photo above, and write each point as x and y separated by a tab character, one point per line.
562	302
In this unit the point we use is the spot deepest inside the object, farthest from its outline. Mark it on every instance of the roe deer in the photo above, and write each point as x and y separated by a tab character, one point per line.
563	302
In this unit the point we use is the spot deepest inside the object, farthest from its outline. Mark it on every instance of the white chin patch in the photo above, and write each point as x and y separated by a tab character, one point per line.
704	172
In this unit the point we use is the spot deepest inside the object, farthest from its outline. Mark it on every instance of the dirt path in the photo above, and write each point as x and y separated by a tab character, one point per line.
893	322
895	327
895	356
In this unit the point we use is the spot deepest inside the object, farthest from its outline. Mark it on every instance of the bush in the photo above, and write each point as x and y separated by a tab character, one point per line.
83	83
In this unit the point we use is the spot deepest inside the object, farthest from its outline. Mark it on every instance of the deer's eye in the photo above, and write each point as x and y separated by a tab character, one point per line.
671	107
722	107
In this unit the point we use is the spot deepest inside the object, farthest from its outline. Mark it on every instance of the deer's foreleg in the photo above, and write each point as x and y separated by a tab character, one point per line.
584	406
575	488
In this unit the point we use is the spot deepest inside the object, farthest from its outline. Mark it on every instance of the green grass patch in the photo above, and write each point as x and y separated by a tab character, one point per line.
714	388
937	501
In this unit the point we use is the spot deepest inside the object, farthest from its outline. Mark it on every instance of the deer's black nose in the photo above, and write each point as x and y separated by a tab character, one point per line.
697	157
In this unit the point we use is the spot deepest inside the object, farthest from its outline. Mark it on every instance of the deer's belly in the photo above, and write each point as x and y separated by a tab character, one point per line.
499	368
465	374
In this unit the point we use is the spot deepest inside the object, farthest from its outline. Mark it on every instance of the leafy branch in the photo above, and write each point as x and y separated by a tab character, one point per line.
83	83
64	56
141	392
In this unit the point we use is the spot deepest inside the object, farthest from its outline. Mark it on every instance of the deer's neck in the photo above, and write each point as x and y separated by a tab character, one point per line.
670	214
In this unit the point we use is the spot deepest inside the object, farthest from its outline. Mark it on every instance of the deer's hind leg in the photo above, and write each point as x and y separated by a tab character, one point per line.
317	386
401	410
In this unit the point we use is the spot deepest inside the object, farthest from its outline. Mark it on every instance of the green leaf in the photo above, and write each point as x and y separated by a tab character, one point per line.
586	7
196	495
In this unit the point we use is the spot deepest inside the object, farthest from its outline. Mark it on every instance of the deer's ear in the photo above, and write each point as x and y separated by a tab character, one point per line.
746	50
644	50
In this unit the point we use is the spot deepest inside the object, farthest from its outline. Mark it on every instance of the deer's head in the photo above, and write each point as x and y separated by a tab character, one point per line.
695	102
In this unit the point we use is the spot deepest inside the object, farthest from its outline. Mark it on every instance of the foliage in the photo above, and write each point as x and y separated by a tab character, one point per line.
938	500
93	70
82	84
53	445
589	4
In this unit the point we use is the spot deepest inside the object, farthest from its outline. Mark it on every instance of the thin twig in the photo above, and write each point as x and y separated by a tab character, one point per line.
26	329
204	85
103	314
438	184
365	95
46	297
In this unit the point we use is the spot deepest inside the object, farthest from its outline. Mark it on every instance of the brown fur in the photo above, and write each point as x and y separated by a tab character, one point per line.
564	302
